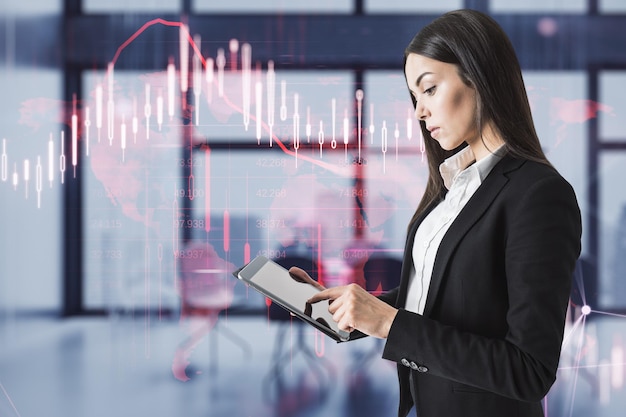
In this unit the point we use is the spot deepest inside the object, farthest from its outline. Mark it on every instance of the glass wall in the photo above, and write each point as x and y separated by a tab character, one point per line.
612	201
273	6
30	189
538	6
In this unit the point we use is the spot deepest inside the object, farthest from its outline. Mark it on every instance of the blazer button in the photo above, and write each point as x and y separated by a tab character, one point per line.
414	366
422	369
405	362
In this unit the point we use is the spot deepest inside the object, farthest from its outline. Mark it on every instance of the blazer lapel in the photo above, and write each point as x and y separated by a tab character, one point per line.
469	215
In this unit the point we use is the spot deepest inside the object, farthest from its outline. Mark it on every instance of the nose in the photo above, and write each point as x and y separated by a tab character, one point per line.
420	111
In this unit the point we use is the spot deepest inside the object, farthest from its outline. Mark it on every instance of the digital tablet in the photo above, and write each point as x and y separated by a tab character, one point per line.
275	282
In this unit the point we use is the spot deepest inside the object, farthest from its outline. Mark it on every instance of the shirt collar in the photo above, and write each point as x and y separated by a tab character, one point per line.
457	163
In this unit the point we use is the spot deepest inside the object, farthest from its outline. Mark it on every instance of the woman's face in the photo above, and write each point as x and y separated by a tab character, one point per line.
444	102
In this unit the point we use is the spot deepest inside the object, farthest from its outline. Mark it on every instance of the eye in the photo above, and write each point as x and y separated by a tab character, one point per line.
430	91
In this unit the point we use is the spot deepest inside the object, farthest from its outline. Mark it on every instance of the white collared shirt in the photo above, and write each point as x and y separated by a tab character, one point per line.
462	178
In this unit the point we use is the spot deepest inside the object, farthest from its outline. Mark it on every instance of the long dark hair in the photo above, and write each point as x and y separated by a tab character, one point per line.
486	61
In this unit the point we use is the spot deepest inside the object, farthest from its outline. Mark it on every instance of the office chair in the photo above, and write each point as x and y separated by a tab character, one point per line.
206	289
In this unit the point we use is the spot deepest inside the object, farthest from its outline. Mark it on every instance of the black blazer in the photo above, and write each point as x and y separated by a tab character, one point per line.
489	341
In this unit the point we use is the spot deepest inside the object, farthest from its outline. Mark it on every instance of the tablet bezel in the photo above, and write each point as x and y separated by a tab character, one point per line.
252	268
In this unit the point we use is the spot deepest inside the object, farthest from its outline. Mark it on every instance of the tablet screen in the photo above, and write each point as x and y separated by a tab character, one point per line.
275	282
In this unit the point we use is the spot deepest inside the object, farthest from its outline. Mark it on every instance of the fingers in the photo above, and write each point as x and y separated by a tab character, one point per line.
337	307
300	275
322	295
342	316
354	308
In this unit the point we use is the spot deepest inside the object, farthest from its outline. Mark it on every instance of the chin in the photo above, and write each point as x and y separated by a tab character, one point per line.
448	146
451	146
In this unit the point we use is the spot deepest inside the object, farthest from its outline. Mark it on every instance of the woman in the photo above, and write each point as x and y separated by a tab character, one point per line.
477	322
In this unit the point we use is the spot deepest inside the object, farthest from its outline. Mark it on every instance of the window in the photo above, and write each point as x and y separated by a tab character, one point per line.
416	6
612	285
273	6
31	202
37	7
561	111
132	6
130	188
611	6
538	6
612	104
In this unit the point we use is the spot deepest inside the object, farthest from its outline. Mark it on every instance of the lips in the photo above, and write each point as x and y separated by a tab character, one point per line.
434	131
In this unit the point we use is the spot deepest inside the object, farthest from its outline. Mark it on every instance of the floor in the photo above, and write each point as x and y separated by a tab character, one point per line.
133	366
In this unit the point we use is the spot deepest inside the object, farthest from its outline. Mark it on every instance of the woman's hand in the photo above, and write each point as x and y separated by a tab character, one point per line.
300	275
354	308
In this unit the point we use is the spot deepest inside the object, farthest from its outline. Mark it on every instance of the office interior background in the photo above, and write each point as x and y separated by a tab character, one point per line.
150	147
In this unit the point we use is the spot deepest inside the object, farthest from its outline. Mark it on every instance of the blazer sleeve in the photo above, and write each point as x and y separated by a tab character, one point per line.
542	245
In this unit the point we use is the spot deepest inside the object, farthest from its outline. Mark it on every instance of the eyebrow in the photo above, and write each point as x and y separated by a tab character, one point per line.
419	79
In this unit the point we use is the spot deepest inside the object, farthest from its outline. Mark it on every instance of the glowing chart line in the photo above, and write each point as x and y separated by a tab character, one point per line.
110	104
153	22
246	76
171	90
147	110
99	94
197	79
4	160
332	168
359	101
207	189
372	127
571	332
259	110
159	103
221	63
175	233
26	176
602	364
320	347
233	48
51	161
62	158
346	133
308	124
122	127
296	126
74	142
15	177
383	133
123	138
333	105
87	127
184	58
271	98
226	231
578	357
609	314
38	181
209	74
396	135
135	121
320	137
6	394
